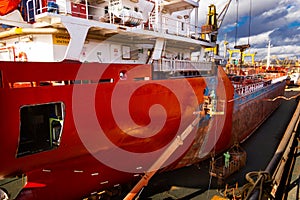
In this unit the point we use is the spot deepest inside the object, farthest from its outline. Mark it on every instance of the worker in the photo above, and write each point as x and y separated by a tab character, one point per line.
227	158
213	101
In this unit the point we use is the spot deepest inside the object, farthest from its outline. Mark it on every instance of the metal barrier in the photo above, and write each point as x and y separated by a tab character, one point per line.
272	175
180	65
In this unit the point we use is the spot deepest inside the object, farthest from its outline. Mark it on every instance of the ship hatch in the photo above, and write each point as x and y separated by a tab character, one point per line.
41	128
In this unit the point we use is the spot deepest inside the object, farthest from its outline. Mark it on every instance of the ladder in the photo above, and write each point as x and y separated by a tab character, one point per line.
154	15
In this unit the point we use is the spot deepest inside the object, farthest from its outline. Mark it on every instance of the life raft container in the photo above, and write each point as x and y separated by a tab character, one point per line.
22	57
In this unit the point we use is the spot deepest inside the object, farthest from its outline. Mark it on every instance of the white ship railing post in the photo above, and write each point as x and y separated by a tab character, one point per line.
196	23
156	15
86	9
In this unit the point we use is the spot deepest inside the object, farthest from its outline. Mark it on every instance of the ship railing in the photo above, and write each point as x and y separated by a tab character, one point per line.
81	10
31	10
173	65
174	26
180	26
247	89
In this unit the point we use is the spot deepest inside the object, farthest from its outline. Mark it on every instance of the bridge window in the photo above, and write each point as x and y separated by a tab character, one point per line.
41	128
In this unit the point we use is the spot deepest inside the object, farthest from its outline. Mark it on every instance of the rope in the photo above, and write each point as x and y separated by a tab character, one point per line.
214	149
213	153
257	180
283	97
209	183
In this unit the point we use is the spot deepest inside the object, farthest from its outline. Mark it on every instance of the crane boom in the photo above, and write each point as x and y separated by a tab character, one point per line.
213	22
223	14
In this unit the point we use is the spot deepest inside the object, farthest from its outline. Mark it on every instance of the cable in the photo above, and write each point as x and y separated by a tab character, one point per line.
236	23
250	15
249	24
214	148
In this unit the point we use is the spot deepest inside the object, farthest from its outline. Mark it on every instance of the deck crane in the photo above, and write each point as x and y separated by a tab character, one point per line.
223	13
213	24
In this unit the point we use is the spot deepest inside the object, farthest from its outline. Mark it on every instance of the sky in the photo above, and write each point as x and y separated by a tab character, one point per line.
277	21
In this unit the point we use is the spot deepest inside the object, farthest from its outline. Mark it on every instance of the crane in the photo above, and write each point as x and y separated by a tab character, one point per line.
232	51
297	61
252	55
278	62
214	21
213	24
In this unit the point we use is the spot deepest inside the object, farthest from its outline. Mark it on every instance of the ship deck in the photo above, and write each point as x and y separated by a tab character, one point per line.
194	182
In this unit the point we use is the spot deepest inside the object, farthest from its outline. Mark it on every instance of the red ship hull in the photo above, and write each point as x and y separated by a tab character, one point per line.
89	158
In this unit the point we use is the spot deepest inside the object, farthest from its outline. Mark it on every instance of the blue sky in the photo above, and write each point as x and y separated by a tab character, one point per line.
274	20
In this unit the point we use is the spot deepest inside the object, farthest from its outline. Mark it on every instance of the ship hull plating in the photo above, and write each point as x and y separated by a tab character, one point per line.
81	161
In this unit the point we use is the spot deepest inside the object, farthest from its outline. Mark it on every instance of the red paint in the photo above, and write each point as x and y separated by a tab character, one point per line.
70	171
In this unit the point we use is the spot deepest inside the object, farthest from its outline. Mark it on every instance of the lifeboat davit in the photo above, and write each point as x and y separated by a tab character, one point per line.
6	6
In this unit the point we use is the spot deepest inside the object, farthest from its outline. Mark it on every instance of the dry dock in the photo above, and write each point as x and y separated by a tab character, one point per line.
194	182
293	184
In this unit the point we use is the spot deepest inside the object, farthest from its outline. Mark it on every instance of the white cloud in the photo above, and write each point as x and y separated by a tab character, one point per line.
271	20
285	51
293	14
